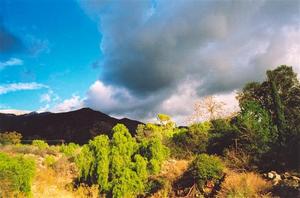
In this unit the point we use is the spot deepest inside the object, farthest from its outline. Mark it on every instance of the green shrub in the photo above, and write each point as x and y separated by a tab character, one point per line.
41	144
70	149
10	138
120	166
205	168
192	140
16	174
49	160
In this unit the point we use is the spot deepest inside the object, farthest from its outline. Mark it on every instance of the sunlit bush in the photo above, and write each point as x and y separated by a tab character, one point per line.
121	165
10	138
16	174
206	168
70	149
41	144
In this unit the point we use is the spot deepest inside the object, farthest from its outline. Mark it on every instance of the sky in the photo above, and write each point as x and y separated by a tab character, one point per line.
137	58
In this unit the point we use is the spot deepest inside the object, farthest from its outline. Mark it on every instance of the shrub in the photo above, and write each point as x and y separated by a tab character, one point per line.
17	174
205	168
41	144
70	150
194	140
238	185
10	138
119	166
221	136
49	160
237	160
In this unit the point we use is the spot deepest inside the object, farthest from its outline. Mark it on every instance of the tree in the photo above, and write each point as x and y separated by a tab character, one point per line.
207	109
120	165
280	96
256	130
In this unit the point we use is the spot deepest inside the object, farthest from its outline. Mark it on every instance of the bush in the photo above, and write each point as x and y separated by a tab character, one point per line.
238	185
49	160
221	136
206	168
70	150
41	144
16	174
119	166
193	140
10	138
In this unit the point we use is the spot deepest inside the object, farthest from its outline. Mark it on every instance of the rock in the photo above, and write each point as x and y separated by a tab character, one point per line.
276	179
270	175
295	178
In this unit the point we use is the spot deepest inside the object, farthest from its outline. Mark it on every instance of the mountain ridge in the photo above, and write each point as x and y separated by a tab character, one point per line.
74	126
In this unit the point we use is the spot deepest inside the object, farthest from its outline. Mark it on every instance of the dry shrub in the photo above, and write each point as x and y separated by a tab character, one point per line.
237	160
240	185
85	191
48	183
172	169
29	149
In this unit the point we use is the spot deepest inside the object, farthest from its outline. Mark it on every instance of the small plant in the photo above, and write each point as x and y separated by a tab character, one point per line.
238	185
69	149
10	138
16	174
41	144
49	160
206	168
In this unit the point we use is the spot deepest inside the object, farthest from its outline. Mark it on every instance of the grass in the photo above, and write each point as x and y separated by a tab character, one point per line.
241	185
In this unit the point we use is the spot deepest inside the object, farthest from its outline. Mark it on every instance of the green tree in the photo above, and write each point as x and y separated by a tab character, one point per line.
121	165
280	96
256	130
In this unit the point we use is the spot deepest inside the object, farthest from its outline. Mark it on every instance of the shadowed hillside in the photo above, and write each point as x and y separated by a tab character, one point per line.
77	126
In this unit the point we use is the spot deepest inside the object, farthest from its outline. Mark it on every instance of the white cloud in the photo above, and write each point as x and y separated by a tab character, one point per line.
11	62
73	103
14	111
6	88
48	97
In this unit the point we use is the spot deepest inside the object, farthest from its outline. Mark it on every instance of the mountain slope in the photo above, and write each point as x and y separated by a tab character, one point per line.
77	126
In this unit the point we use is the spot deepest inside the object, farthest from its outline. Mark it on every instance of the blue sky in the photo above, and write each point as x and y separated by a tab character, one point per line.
137	58
60	43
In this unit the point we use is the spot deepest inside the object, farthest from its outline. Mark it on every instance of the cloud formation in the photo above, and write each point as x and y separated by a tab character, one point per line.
6	88
153	48
11	62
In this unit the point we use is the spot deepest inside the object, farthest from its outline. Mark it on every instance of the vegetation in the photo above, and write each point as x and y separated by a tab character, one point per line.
206	168
121	165
16	174
41	144
244	185
219	154
10	138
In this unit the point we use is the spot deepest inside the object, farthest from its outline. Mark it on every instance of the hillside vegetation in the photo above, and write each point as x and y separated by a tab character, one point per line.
252	153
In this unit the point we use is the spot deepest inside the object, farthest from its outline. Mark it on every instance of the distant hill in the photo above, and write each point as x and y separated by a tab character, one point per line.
75	126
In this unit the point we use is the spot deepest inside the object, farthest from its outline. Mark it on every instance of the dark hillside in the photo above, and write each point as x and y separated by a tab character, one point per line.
77	126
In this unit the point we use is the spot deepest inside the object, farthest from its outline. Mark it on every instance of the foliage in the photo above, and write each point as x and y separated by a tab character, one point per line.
239	185
222	136
70	149
49	160
280	96
10	138
18	173
256	131
121	165
41	144
193	140
205	168
155	152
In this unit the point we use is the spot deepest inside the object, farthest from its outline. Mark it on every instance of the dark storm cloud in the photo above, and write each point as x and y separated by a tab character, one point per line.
151	47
